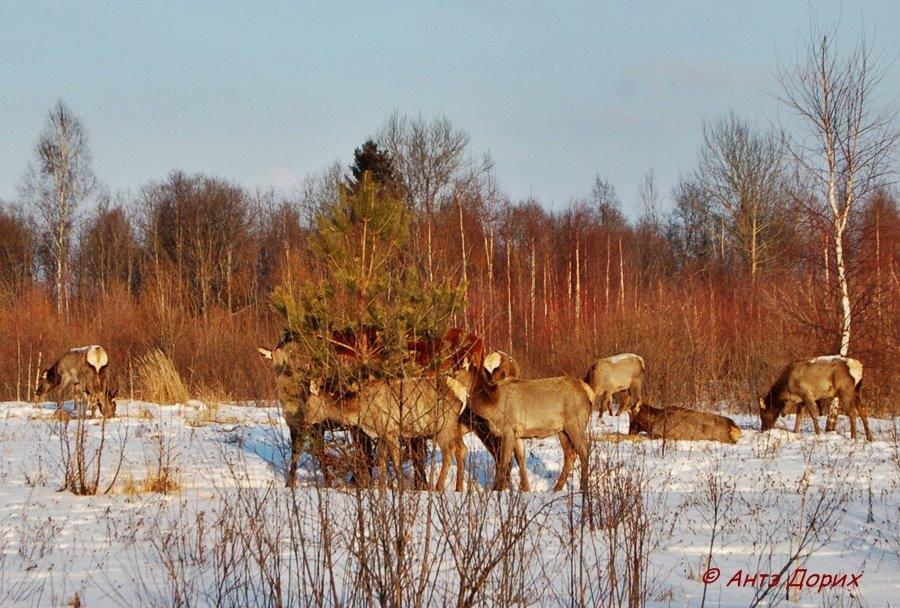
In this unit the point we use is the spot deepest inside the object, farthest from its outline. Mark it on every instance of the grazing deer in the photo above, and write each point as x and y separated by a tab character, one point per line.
289	389
680	424
84	370
807	381
391	411
616	374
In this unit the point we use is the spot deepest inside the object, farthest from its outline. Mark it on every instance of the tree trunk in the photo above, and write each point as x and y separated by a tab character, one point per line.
533	289
577	281
462	250
509	294
621	275
840	267
607	272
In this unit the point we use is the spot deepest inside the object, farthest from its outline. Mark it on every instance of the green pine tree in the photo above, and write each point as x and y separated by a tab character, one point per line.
368	290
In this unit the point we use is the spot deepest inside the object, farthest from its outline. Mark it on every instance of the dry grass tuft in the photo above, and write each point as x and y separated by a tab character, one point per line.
159	381
213	396
164	483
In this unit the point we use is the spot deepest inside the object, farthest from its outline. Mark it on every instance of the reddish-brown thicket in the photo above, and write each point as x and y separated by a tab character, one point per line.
189	266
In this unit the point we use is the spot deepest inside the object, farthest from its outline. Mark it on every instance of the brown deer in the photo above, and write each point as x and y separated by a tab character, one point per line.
289	386
807	381
617	374
499	367
391	411
681	424
84	370
522	409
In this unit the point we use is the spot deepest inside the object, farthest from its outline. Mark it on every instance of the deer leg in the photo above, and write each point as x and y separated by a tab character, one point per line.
501	480
607	401
625	402
447	452
581	448
831	420
636	391
461	453
396	454
317	445
295	457
798	414
864	416
813	411
568	457
523	470
364	458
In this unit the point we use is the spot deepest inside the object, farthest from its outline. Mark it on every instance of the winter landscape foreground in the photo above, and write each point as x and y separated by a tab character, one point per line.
197	515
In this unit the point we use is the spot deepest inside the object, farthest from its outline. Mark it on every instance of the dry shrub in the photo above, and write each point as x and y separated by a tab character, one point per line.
159	381
163	483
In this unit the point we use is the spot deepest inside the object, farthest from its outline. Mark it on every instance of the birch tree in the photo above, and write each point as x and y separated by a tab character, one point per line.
846	141
56	183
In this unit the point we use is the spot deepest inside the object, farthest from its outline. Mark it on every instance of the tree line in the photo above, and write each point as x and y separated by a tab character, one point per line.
775	244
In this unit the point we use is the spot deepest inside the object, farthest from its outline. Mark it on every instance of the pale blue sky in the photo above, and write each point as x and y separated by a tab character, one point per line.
267	93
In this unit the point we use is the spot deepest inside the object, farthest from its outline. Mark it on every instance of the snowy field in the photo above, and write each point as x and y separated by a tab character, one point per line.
230	534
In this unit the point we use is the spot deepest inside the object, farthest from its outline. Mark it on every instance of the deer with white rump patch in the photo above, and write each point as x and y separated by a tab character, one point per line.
803	383
83	369
617	374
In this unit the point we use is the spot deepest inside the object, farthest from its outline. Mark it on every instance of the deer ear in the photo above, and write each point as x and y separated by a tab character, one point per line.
492	361
265	353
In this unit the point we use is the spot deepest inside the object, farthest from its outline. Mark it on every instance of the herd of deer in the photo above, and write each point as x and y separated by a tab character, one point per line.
471	392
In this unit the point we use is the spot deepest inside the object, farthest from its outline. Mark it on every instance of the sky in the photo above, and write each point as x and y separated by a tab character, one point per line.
267	93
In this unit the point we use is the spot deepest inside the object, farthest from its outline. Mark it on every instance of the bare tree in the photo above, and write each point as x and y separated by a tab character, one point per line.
429	157
16	250
649	196
201	227
741	174
107	250
55	184
846	144
607	203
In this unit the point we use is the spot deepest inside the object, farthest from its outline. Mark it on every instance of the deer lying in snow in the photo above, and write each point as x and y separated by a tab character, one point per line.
82	369
616	374
803	383
681	424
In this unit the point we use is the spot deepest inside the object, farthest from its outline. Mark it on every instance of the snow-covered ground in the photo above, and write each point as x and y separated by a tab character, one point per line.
231	523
